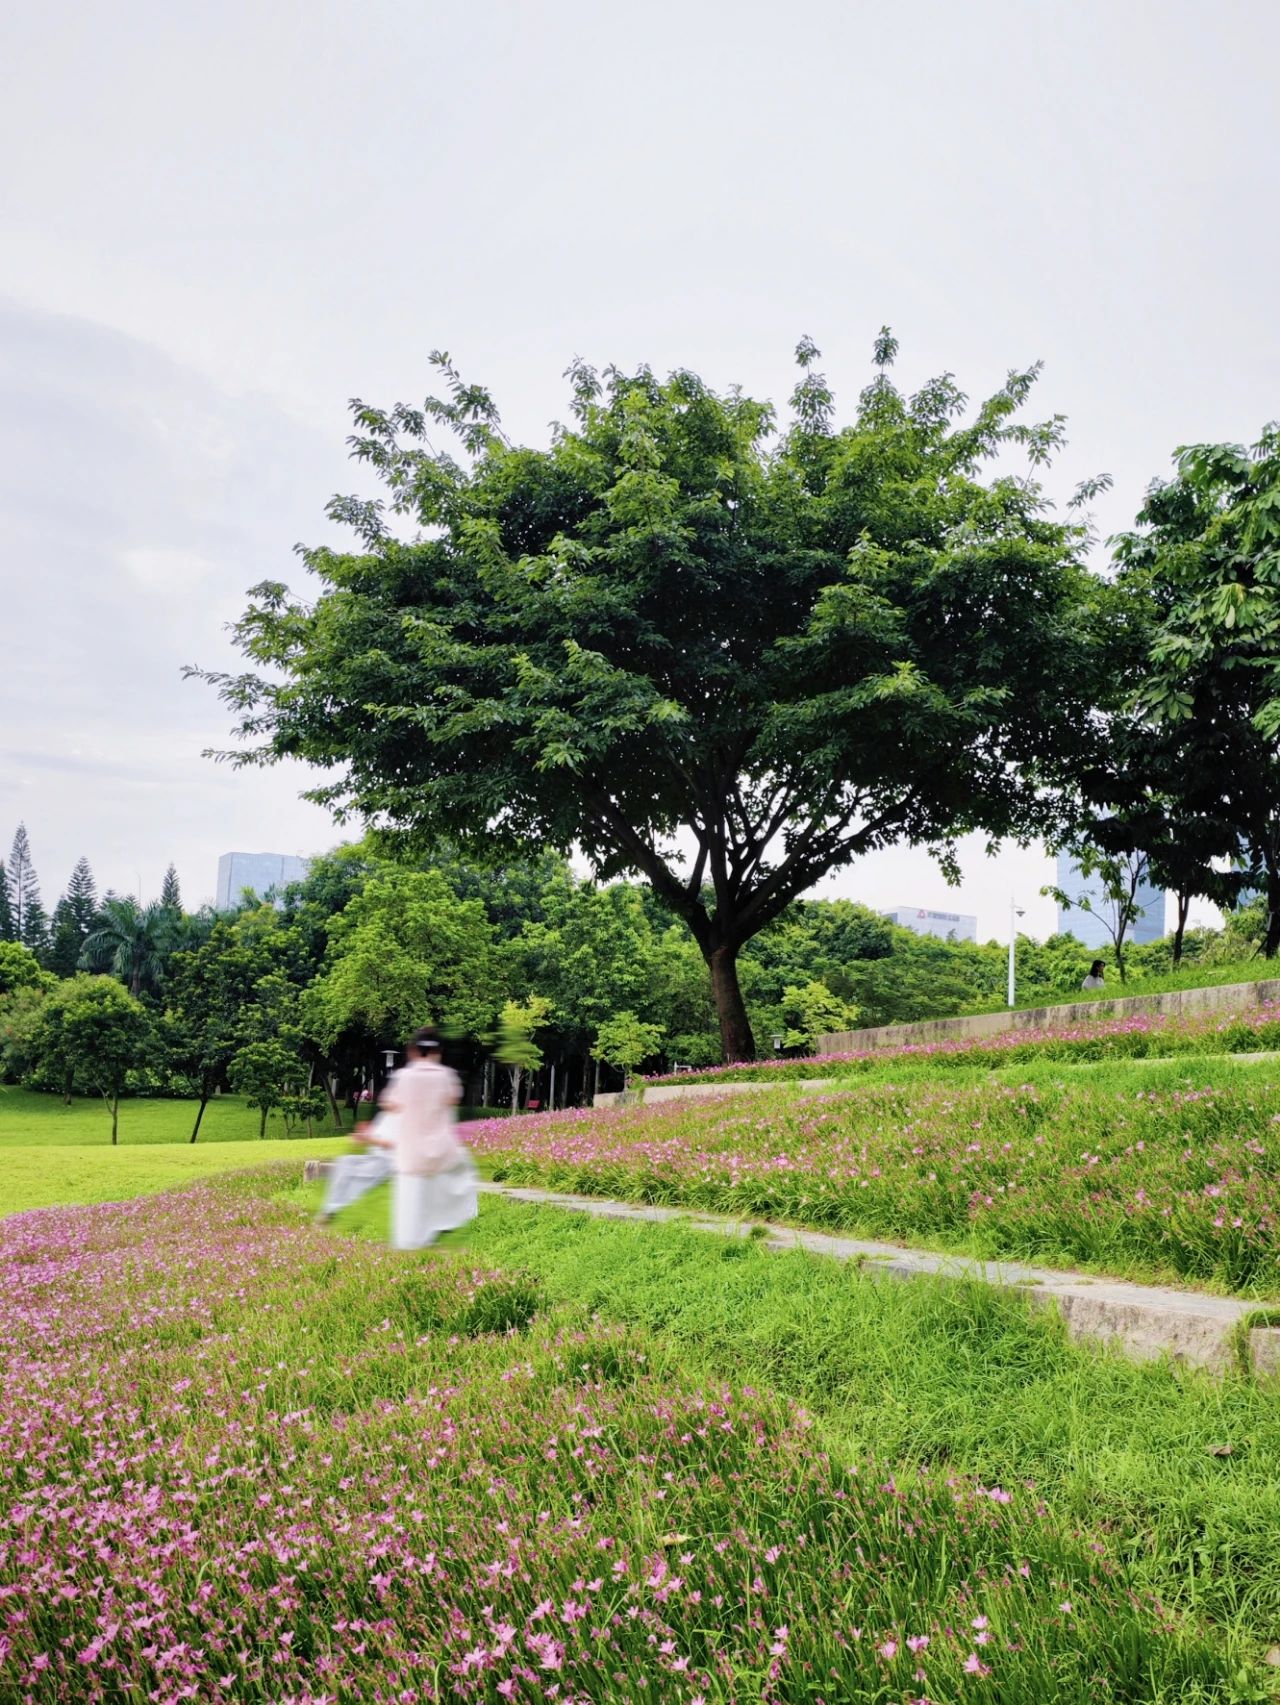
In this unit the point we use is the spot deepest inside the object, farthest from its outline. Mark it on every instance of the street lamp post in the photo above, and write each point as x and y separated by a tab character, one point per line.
1015	912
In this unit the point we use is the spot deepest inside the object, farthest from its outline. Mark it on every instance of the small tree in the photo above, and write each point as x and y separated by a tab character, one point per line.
514	1046
626	1042
811	1010
92	1034
266	1074
1119	877
211	1007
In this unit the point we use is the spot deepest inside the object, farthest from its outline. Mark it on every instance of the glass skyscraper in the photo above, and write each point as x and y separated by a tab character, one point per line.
1091	927
257	872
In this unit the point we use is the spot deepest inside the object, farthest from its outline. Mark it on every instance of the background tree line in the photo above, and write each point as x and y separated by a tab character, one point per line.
541	979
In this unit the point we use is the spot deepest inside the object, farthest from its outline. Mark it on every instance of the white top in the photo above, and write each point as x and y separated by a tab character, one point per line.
423	1097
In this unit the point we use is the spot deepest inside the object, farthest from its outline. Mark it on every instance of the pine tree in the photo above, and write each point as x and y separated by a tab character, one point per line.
8	932
64	954
31	925
82	896
170	894
72	920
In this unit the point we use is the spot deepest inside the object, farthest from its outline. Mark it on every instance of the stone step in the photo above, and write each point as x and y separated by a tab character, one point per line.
1143	1321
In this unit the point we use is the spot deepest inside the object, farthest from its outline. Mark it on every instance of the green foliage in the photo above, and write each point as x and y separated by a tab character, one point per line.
29	923
514	1045
625	1042
20	1019
20	969
92	1034
132	942
8	927
664	625
170	892
811	1010
1204	561
266	1074
404	952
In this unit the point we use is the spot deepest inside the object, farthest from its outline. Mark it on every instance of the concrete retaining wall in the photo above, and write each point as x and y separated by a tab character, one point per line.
1227	997
649	1093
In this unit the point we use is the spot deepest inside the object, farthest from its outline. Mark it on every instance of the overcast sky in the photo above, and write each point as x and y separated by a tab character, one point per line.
220	223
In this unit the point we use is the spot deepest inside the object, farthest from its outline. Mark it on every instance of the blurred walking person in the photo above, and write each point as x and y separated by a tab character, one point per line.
435	1181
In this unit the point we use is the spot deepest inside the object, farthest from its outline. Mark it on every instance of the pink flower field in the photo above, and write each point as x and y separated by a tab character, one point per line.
1176	1183
244	1460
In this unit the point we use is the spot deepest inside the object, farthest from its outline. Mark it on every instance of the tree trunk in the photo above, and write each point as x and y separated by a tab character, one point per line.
1271	941
262	1123
1184	907
736	1039
115	1117
204	1102
333	1102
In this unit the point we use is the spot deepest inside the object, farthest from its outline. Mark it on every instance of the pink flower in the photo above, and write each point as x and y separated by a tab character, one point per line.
973	1665
888	1651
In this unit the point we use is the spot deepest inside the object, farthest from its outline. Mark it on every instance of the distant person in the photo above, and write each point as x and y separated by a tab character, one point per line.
1097	975
435	1181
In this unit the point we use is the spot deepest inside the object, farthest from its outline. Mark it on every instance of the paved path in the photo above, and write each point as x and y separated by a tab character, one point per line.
1145	1321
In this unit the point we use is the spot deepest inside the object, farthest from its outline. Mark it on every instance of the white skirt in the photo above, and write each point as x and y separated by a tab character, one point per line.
421	1208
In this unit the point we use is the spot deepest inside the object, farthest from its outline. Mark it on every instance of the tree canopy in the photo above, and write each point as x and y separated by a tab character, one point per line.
723	656
1205	560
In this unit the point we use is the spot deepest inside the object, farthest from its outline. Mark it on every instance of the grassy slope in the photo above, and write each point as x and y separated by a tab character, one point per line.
940	1374
384	1414
1252	970
1139	1169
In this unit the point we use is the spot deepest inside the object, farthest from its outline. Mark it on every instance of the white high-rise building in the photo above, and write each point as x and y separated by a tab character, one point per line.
258	872
923	922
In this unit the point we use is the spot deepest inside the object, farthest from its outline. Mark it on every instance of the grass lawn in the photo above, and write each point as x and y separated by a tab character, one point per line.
29	1117
36	1177
241	1458
52	1155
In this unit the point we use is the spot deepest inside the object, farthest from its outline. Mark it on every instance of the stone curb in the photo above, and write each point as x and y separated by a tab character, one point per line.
1144	1321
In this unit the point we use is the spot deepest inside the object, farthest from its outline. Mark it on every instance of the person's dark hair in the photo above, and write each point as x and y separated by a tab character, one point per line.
1097	968
426	1040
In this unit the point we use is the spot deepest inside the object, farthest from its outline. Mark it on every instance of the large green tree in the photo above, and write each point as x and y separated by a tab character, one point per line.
92	1034
210	1009
1205	560
405	951
722	657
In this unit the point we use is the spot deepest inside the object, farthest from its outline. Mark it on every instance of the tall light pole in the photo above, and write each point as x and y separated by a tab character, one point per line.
1015	912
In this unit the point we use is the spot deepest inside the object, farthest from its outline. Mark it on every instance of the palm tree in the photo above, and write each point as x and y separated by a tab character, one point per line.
133	942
